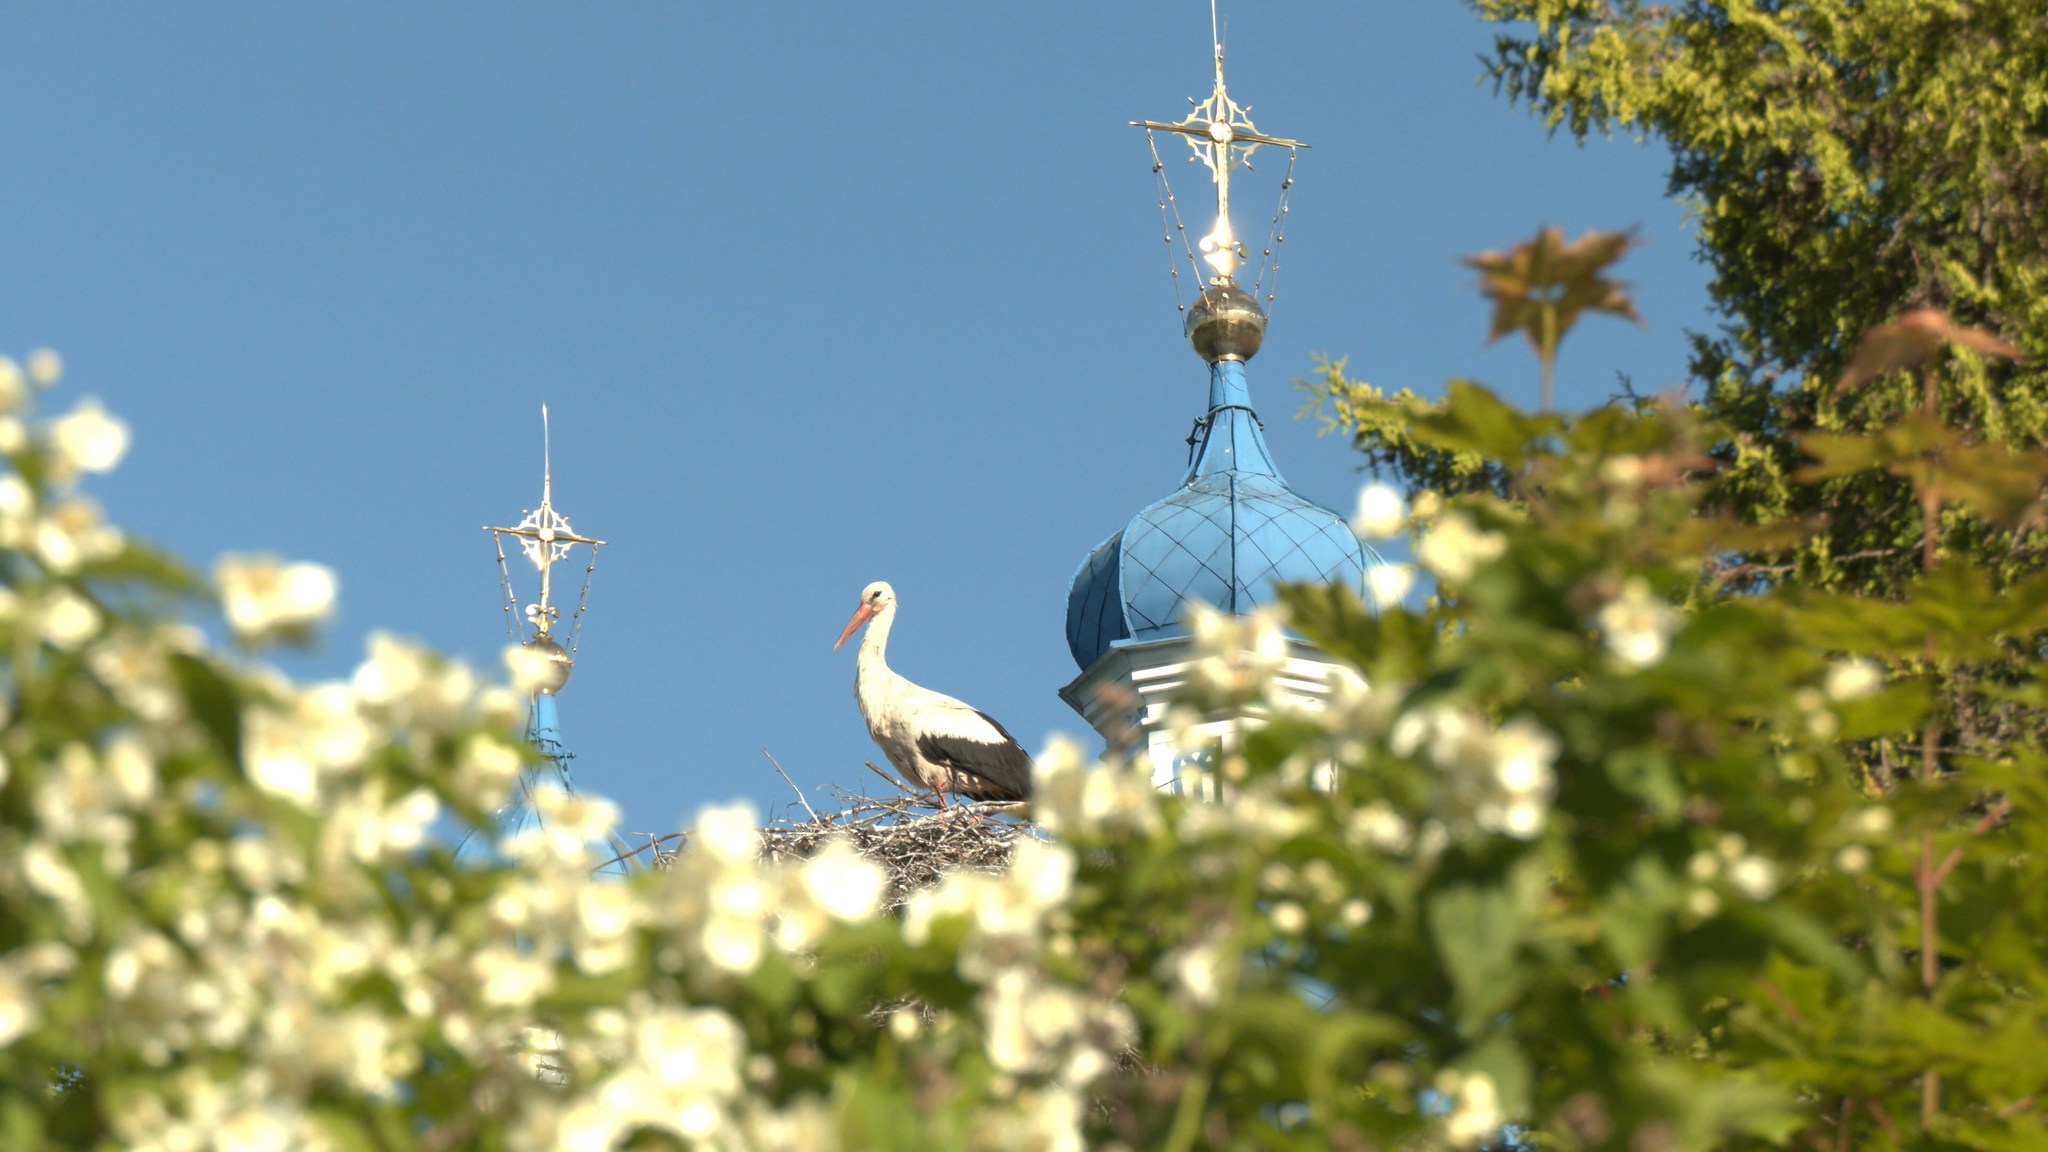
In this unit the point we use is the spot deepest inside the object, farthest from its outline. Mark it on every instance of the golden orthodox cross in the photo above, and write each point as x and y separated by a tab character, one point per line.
1220	131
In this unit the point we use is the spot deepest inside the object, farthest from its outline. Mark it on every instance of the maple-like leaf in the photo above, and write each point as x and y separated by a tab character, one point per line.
1908	341
1551	272
1540	287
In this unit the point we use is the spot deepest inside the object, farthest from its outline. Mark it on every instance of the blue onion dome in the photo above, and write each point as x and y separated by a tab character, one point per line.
1231	533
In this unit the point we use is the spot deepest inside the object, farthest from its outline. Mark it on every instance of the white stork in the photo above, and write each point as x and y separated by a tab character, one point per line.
935	741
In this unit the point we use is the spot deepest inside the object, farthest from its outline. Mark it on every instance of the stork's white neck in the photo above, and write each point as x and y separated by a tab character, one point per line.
872	677
874	643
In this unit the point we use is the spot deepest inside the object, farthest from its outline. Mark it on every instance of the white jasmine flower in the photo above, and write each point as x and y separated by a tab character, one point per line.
405	822
1853	859
45	367
903	1025
532	668
1042	874
1381	514
131	769
1056	785
328	728
88	439
13	385
731	833
699	1049
1853	679
1194	969
74	533
393	670
1454	547
1381	827
17	499
275	761
263	596
18	1011
1524	752
489	766
1754	877
1390	584
1638	625
508	978
1289	918
68	619
606	915
843	883
1623	471
584	818
1475	1110
733	943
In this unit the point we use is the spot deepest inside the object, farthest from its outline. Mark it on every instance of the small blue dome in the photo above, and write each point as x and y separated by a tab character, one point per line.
1231	533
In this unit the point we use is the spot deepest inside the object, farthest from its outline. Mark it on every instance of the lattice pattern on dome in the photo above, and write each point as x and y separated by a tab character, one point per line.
1226	540
1227	537
1095	611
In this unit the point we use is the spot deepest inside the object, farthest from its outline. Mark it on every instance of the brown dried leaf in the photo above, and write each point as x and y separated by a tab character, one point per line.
1908	341
1551	272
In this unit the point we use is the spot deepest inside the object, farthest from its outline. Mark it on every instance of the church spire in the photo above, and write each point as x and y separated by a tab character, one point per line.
545	538
1221	132
1233	533
1226	322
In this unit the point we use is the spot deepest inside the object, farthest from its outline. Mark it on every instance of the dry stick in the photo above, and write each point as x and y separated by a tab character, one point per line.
653	842
1930	517
1989	821
1842	1126
792	785
1884	1116
891	779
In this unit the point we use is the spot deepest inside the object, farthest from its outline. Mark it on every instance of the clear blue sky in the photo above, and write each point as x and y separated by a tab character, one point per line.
818	295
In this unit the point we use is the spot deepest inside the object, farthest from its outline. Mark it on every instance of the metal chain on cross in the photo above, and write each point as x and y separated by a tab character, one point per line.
1222	136
1269	261
545	536
1168	204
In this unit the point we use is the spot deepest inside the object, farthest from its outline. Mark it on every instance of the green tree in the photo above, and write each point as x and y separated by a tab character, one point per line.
1589	864
1846	162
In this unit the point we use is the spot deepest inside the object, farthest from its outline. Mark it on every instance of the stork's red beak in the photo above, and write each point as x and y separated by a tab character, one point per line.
860	617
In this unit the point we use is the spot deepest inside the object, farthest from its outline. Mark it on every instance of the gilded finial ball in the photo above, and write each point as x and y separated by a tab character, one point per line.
554	667
1226	323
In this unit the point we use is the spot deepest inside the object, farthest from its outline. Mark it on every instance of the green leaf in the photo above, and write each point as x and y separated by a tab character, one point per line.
1899	707
1476	934
1991	480
1472	419
1503	1062
213	702
1845	454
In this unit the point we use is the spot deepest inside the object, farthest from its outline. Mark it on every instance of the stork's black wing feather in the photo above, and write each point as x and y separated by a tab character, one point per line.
985	769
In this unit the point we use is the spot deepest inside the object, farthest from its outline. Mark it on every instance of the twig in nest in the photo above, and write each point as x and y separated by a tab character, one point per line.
792	784
894	782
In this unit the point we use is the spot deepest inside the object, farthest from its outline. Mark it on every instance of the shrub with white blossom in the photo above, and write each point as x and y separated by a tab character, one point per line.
1578	855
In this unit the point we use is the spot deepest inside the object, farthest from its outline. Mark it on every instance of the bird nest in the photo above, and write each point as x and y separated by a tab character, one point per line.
913	840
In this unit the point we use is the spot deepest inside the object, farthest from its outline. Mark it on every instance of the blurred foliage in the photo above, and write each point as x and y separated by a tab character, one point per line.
1659	828
1867	179
1559	862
